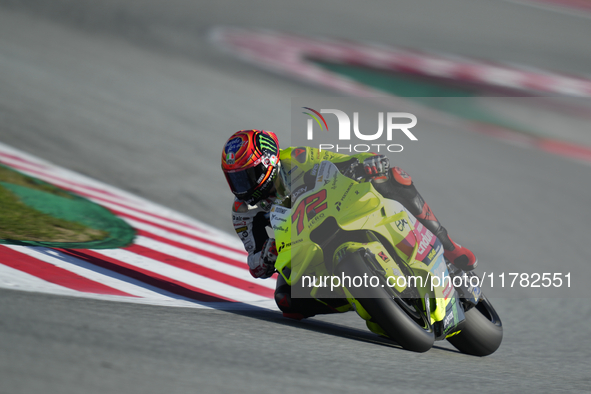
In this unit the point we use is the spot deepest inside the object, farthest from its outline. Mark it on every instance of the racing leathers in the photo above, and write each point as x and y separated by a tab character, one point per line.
251	222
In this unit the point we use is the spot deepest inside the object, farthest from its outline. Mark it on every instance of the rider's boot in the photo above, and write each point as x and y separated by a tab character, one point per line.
400	187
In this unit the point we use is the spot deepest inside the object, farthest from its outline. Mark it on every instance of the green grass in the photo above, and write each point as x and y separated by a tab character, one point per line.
20	222
16	178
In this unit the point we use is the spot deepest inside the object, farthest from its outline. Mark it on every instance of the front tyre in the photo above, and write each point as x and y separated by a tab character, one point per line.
398	320
482	331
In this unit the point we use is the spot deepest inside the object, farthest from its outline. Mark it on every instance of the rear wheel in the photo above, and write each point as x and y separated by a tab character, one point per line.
399	318
482	332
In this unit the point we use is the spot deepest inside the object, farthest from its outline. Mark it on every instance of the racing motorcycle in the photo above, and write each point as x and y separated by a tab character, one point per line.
338	238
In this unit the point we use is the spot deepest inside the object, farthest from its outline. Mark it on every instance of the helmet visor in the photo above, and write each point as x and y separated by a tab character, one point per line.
242	182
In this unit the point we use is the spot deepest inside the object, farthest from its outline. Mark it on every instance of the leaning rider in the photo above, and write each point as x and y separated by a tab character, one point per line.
251	160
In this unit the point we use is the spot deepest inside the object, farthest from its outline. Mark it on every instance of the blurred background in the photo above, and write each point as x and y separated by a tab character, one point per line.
142	94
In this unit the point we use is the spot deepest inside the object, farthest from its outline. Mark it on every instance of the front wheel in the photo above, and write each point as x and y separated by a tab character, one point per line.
482	332
401	321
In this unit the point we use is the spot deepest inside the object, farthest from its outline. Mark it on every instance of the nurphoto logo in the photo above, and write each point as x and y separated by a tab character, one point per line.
392	124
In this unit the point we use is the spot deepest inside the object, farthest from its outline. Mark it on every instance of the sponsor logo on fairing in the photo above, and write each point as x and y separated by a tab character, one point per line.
297	193
448	319
280	210
277	218
448	289
401	224
314	170
300	154
383	256
280	228
283	245
432	254
425	242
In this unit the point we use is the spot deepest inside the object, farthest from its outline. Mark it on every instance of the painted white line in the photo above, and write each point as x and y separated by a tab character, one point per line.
161	222
238	256
167	224
89	271
183	276
203	261
13	279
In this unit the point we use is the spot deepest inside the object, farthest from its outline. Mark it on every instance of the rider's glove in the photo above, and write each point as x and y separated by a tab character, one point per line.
262	264
376	166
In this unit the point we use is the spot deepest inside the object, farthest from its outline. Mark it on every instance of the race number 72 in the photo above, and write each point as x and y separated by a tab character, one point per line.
309	206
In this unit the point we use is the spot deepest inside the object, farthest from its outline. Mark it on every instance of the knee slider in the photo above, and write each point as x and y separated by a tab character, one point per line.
283	301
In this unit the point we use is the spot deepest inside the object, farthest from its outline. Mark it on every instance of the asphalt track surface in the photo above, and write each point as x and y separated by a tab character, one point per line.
132	94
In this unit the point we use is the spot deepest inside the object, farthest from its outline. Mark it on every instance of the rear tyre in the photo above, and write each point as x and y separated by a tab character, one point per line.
482	331
401	321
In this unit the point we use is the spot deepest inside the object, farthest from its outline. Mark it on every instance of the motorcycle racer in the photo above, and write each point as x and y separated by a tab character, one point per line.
251	161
